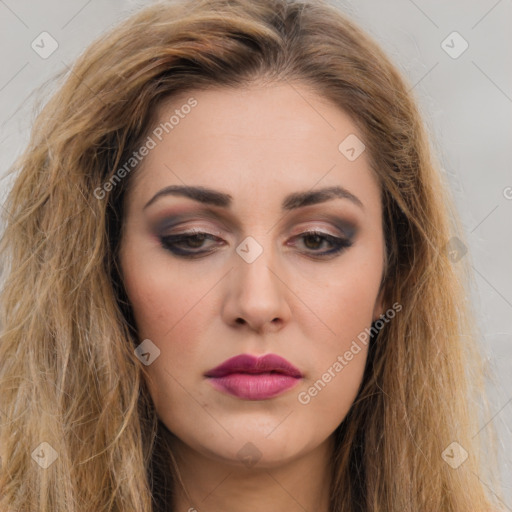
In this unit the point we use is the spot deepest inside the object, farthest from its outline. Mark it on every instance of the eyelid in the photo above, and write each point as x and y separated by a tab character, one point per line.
320	229
172	220
334	225
198	230
175	229
299	233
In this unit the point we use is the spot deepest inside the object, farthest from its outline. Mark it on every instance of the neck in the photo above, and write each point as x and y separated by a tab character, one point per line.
219	486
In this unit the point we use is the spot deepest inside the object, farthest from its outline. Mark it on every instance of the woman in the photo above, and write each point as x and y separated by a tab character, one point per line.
230	282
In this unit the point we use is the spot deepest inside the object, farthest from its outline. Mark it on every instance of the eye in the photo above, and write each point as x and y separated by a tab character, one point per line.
182	243
313	240
186	244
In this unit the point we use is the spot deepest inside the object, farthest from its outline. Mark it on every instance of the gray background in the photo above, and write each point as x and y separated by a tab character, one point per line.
466	103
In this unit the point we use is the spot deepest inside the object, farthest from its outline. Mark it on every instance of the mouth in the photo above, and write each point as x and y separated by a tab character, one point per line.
251	378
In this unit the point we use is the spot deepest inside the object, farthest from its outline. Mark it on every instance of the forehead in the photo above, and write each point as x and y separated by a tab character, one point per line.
265	139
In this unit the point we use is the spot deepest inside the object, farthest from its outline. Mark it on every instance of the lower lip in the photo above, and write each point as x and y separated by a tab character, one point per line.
254	386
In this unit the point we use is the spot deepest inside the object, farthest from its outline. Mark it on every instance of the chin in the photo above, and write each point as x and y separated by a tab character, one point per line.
256	451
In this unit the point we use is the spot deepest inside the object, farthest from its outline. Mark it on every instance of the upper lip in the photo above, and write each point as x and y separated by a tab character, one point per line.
246	363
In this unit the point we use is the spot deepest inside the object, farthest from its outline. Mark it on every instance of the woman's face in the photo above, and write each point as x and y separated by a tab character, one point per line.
257	283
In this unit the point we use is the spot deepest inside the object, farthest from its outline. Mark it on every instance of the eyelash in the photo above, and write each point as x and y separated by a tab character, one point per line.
170	243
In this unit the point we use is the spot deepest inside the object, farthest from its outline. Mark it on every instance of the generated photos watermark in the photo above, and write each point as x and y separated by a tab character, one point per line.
304	397
150	143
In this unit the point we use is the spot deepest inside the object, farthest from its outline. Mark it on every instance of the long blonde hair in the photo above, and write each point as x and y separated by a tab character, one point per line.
72	388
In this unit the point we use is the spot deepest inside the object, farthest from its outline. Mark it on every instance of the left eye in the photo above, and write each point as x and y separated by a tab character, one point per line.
181	244
317	238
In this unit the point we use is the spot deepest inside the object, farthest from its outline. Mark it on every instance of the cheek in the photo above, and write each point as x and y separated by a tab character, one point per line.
346	306
338	358
333	390
346	302
167	303
163	297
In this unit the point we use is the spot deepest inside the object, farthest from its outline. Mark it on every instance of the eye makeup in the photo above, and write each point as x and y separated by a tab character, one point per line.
198	241
172	243
170	219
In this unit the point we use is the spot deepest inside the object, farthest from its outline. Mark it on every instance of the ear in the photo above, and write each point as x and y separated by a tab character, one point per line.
378	309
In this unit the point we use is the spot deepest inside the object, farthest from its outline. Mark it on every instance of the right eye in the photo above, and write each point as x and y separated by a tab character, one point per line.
183	244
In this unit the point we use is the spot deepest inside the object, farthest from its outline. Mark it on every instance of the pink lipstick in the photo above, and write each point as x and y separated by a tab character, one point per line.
254	378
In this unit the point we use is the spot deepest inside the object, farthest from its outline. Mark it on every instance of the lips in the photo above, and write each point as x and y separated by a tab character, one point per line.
254	378
246	363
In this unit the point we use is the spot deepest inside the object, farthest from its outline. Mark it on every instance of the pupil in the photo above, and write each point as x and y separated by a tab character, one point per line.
196	241
316	239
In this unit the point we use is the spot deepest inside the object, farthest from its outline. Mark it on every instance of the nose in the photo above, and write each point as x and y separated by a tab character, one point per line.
257	295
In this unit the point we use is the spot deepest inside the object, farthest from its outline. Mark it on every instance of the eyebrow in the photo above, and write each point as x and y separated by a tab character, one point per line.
291	202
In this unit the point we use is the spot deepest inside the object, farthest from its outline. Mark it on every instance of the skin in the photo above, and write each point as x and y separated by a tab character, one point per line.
258	144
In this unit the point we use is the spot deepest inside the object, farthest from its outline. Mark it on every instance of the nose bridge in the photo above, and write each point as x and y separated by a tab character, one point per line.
256	292
256	263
